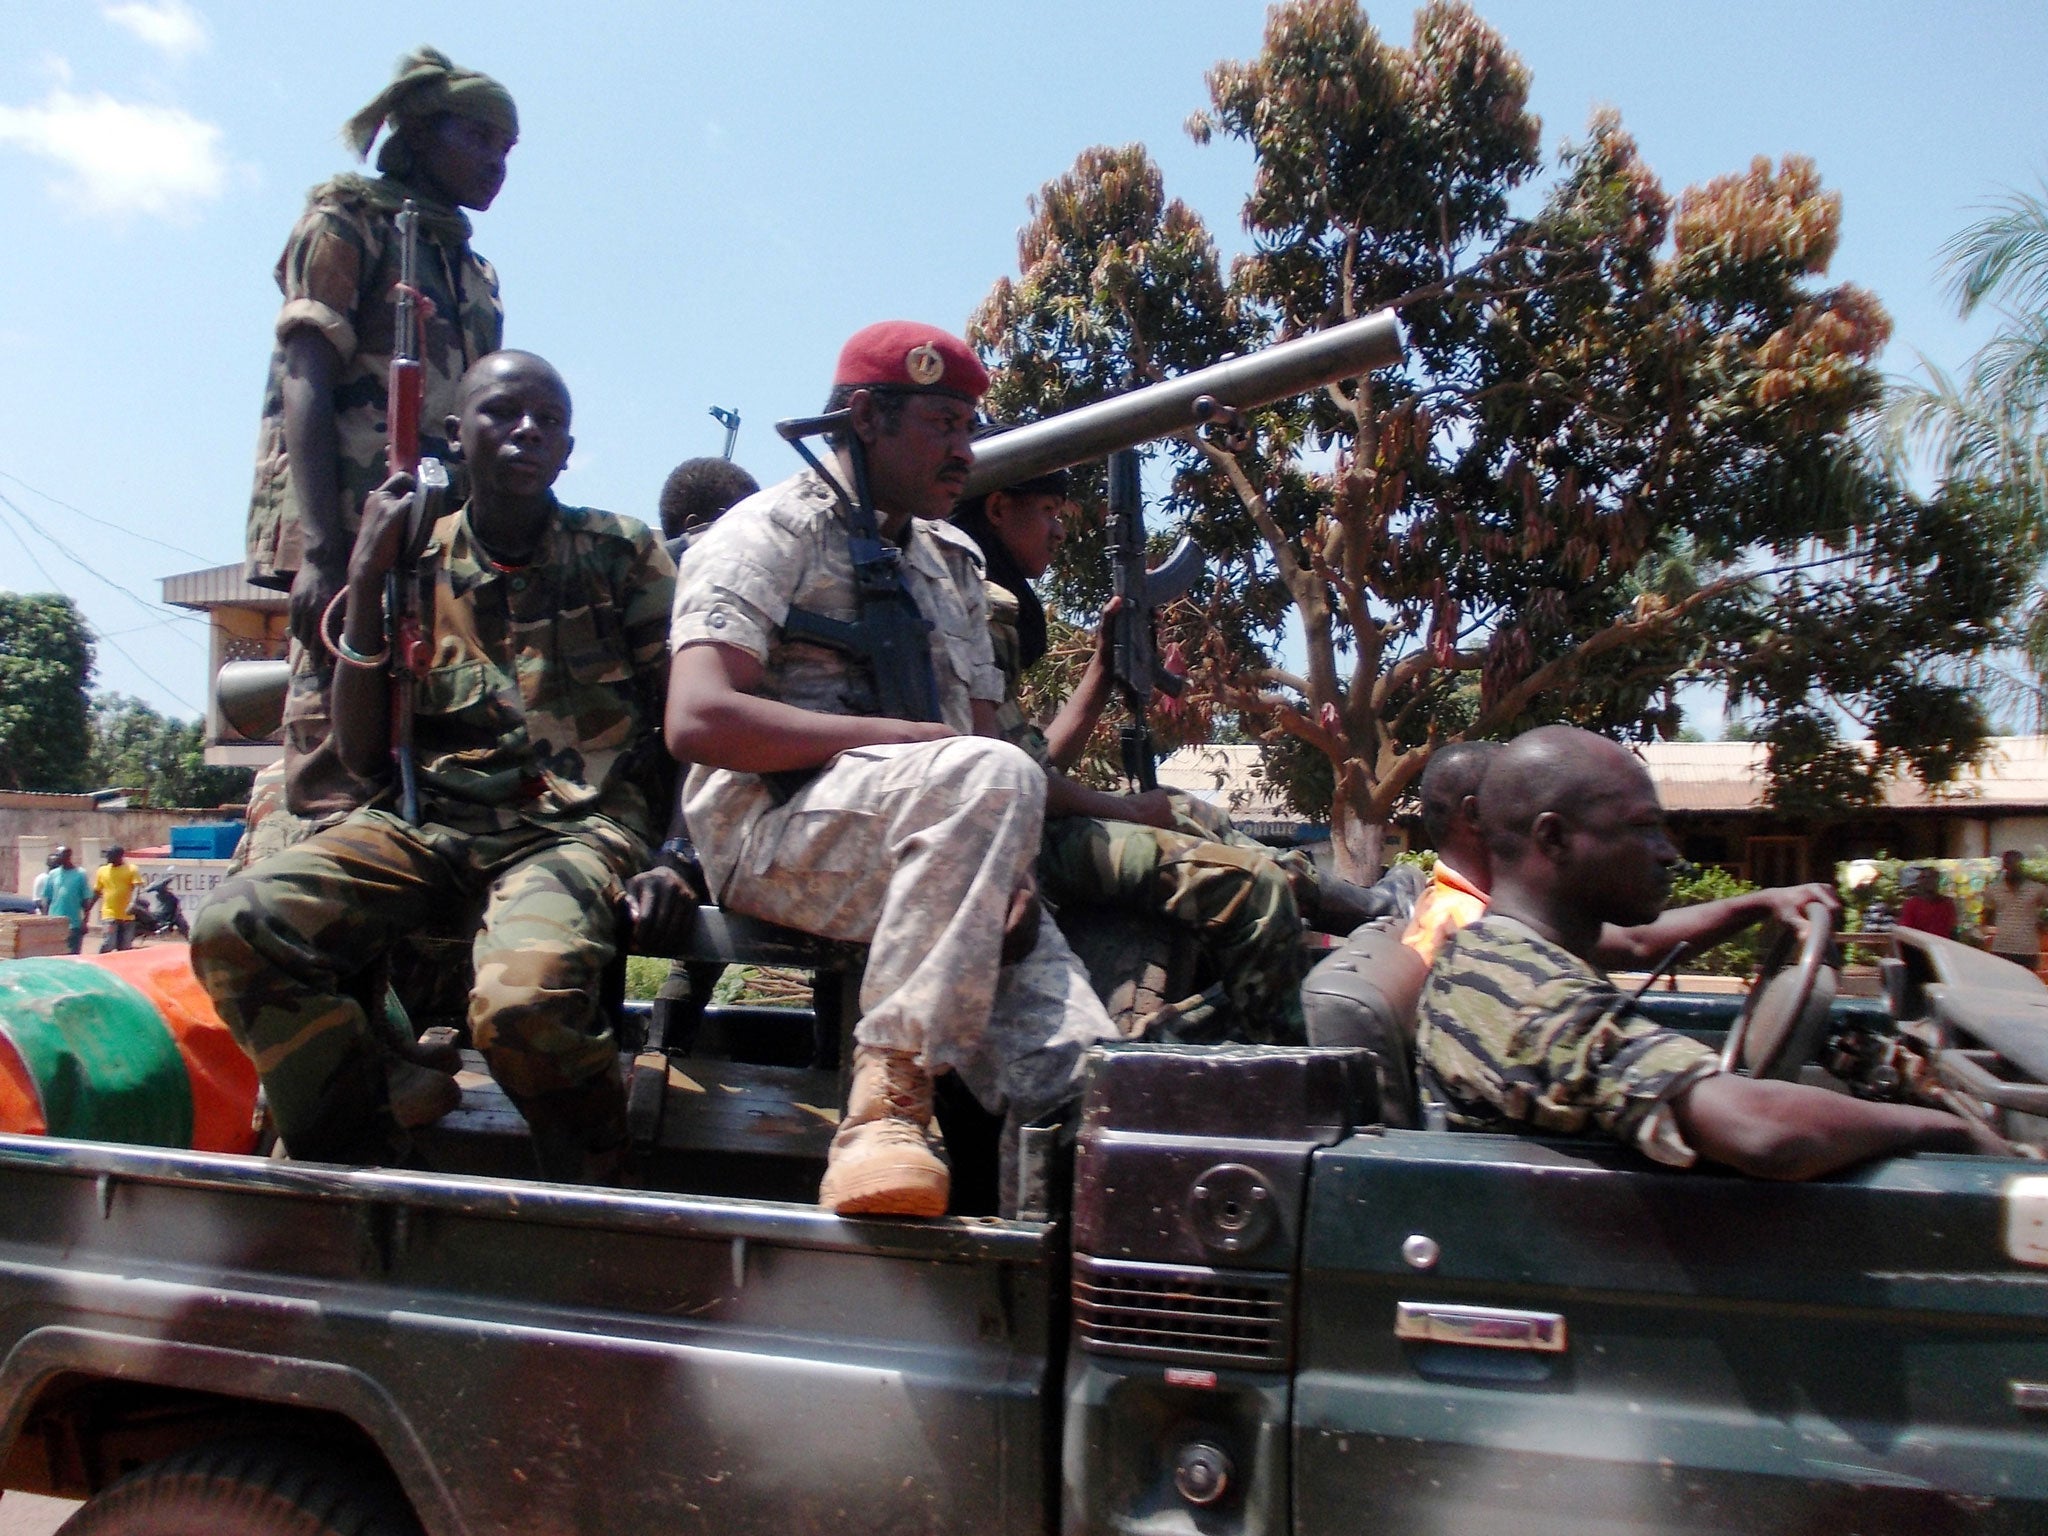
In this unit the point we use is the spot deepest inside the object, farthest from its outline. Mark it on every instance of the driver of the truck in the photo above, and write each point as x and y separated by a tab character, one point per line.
1462	879
1521	1030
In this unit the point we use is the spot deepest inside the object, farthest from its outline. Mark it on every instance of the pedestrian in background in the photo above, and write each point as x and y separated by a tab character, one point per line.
62	891
114	885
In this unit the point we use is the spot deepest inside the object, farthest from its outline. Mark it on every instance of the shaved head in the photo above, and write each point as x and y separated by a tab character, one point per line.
511	425
1575	834
1452	776
1556	769
494	367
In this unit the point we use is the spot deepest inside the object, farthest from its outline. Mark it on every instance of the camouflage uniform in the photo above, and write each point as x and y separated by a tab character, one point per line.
267	827
1239	898
541	772
1517	1033
913	849
338	274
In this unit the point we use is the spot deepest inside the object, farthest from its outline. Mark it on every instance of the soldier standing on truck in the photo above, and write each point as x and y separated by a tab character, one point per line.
1156	851
543	790
321	449
814	808
1520	1030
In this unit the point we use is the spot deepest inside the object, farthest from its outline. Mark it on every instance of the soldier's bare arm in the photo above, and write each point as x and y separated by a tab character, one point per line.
362	684
1067	737
1774	1130
1703	926
716	717
1064	797
313	451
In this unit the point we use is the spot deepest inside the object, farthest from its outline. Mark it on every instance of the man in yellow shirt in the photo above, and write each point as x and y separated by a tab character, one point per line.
114	885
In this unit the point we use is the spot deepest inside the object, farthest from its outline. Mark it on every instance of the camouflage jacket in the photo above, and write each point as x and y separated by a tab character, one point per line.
338	273
544	697
1518	1033
1012	724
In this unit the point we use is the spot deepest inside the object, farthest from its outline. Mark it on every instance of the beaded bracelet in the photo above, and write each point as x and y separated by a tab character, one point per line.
337	647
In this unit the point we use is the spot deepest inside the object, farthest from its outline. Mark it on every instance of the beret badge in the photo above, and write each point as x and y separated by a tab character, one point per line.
924	365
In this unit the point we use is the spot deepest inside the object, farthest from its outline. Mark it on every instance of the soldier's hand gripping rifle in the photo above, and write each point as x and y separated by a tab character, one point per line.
888	632
1134	657
409	590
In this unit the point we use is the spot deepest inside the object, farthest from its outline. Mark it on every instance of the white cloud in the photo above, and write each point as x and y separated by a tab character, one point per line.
121	157
171	27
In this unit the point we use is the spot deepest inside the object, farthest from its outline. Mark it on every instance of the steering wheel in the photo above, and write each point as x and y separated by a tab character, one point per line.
1785	1016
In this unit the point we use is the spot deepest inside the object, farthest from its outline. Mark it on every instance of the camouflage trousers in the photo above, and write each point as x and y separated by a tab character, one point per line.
1239	898
915	850
280	947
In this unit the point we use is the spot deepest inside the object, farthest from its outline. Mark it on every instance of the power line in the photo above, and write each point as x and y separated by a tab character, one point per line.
121	650
176	549
163	609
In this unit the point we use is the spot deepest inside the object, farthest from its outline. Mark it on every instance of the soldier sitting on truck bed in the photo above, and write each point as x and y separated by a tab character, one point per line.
1521	1031
1160	851
814	806
541	795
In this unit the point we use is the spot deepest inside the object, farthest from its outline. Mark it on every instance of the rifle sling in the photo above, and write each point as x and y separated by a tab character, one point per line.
894	636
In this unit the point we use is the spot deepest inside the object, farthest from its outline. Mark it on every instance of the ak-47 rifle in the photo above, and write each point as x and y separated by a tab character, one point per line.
899	647
408	590
1134	659
889	632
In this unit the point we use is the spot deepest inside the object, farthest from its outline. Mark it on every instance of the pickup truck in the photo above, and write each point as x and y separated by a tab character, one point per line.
1248	1297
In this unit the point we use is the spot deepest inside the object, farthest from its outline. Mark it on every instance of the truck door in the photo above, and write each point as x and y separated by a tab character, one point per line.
1500	1334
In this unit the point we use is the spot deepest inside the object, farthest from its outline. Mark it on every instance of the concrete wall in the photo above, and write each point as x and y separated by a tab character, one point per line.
29	832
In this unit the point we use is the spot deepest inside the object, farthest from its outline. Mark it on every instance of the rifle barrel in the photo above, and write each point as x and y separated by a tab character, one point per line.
1160	410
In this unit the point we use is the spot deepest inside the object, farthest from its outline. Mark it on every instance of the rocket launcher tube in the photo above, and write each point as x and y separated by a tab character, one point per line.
1160	410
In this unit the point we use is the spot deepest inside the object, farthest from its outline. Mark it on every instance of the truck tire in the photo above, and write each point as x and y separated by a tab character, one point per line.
248	1488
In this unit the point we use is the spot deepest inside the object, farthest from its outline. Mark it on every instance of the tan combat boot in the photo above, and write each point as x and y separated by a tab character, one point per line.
882	1162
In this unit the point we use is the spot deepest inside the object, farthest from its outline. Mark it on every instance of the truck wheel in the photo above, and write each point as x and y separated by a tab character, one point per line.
247	1489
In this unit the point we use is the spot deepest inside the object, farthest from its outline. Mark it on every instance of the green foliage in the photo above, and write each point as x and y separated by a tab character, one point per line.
1620	456
1735	957
134	747
46	657
644	976
1302	778
764	986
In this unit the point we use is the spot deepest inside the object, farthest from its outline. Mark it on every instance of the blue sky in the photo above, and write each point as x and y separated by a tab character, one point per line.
707	200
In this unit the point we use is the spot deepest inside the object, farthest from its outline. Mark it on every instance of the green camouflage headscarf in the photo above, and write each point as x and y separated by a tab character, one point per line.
427	84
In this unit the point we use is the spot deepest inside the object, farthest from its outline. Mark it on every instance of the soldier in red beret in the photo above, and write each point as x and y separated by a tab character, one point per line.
815	806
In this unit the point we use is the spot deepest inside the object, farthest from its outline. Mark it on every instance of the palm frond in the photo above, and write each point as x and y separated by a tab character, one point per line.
2003	256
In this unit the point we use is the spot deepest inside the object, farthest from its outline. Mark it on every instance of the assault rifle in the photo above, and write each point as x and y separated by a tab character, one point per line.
253	692
1134	660
888	631
408	589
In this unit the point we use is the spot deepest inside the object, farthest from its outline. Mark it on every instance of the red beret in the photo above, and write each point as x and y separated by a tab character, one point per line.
902	354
